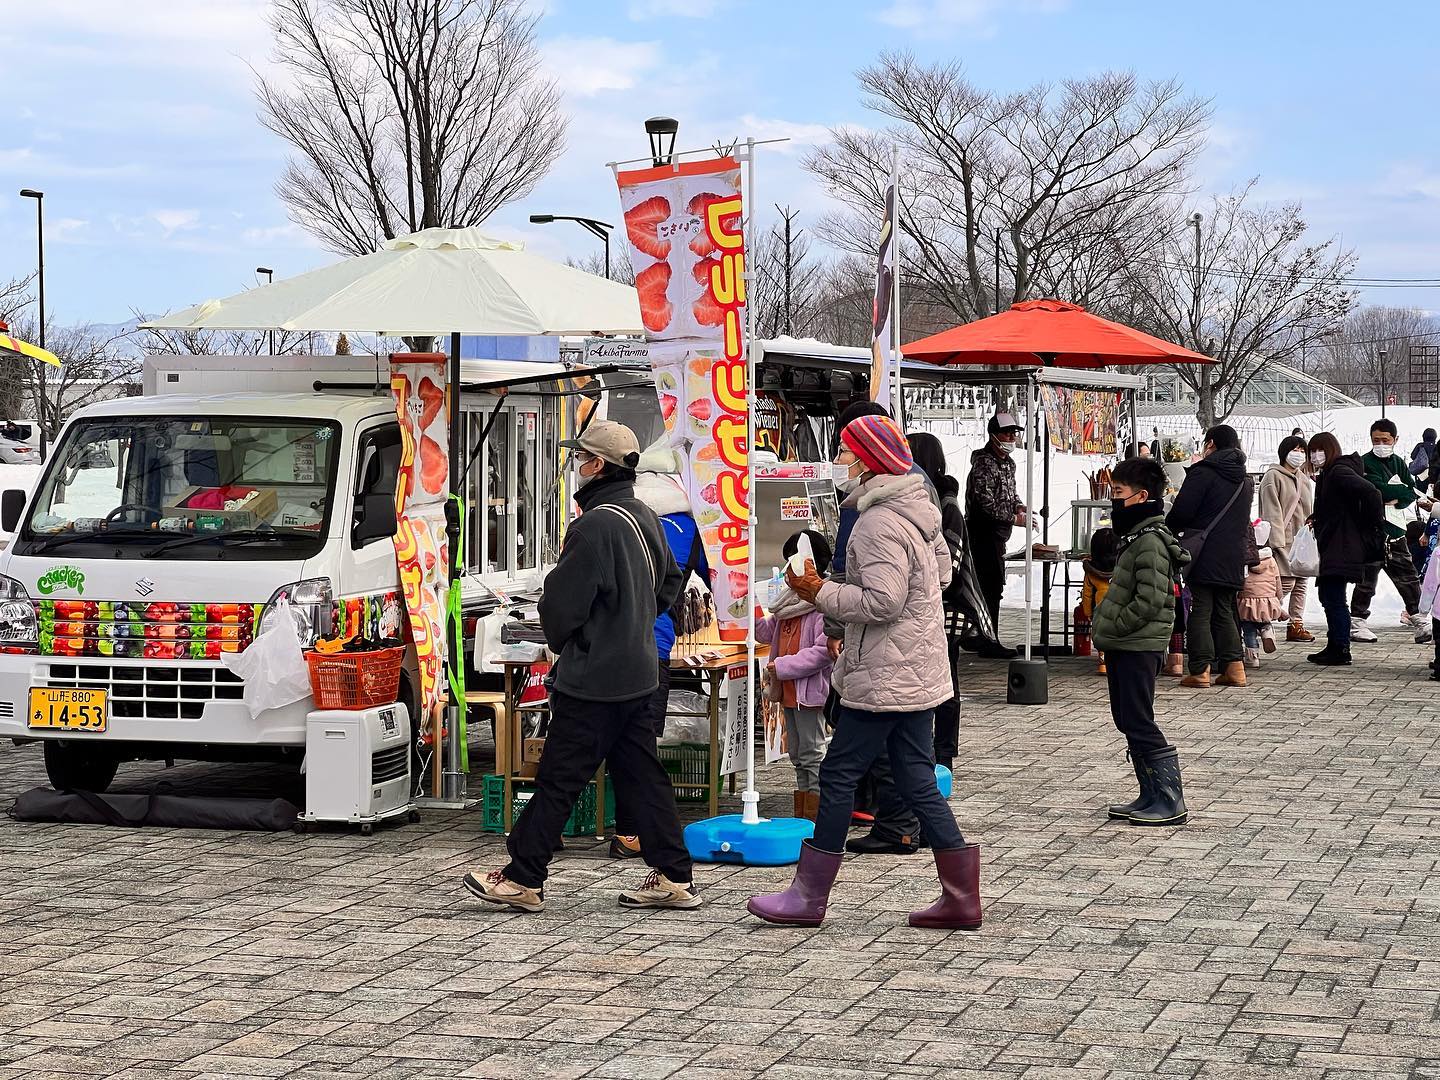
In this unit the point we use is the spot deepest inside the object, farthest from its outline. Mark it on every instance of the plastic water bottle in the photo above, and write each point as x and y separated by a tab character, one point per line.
777	586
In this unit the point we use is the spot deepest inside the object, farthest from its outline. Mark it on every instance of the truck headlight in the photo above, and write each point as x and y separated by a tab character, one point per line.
311	605
18	625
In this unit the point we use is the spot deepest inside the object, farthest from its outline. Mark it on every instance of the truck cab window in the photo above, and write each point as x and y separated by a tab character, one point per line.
378	468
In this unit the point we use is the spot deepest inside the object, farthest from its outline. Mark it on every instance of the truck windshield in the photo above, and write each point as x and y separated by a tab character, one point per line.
138	483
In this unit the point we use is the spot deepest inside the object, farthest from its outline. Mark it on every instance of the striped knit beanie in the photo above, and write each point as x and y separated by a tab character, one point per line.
879	445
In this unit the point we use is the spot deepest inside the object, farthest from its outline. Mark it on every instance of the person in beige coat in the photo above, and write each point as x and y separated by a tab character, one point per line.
1287	501
893	670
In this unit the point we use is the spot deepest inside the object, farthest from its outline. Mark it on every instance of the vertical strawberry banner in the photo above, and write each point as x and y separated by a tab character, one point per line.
421	550
688	249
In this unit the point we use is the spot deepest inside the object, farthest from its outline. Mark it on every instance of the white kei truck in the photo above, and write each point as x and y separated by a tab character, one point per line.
165	528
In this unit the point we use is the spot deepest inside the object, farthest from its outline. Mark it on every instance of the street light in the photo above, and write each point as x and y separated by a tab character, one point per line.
39	197
269	280
592	225
1384	384
662	130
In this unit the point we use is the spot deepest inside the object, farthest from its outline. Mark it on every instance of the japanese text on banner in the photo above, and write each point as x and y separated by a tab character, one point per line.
688	249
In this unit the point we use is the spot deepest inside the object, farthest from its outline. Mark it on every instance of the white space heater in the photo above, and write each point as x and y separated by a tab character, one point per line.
357	766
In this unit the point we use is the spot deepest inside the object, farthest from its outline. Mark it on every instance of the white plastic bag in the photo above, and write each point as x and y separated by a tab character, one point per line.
1305	554
693	723
273	667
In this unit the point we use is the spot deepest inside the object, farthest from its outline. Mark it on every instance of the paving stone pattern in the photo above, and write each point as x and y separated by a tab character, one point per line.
1290	932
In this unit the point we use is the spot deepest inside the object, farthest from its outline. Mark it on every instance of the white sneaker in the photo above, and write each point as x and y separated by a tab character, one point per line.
1423	634
1406	619
1360	631
495	888
658	891
1252	658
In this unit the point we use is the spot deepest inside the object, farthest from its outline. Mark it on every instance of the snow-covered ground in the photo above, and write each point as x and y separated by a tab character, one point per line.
1261	437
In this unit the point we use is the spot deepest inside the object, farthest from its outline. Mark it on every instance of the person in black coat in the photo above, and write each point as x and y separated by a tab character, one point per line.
1213	508
1350	532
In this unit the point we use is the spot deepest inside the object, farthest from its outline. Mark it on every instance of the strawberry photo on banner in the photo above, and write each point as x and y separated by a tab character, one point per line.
421	548
687	246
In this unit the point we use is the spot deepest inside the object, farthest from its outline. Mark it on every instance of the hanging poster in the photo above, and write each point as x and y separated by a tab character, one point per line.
417	381
882	345
688	249
1081	421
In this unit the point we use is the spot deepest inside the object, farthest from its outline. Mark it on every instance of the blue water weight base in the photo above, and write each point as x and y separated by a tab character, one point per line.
727	839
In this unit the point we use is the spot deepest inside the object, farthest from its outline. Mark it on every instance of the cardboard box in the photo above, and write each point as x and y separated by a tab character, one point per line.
258	511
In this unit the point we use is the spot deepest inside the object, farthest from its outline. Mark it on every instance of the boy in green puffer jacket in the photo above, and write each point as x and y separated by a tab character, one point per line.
1133	626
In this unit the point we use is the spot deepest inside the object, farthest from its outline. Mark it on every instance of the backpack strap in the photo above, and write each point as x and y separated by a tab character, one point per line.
628	517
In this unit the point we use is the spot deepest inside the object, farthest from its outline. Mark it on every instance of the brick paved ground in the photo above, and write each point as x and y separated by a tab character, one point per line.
1291	931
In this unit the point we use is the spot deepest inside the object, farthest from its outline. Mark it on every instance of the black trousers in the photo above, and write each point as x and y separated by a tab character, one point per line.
1401	570
1213	631
987	549
659	703
1131	679
583	734
947	714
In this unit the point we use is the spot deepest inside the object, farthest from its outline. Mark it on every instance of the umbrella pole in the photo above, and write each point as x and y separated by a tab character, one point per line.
453	781
1030	423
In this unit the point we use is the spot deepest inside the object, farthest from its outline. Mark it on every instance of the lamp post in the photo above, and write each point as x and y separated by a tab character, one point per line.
597	227
269	280
39	197
661	131
1384	383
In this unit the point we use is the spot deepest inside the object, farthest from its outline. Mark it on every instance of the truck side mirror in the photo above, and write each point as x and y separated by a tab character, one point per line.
12	505
374	518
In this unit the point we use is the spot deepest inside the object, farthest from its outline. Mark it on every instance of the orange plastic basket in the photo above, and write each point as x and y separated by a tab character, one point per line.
355	680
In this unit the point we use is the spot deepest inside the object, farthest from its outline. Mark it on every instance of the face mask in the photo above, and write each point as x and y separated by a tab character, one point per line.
1006	447
1382	450
1317	458
840	476
1295	458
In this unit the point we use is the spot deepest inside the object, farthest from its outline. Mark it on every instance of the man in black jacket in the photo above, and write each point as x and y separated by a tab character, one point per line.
1213	511
992	510
598	611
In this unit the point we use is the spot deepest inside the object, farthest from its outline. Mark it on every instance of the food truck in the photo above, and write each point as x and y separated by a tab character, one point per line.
165	529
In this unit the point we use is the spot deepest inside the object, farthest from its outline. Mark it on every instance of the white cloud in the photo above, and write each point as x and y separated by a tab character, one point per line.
27	161
585	67
973	16
288	235
640	10
1409	180
173	221
801	136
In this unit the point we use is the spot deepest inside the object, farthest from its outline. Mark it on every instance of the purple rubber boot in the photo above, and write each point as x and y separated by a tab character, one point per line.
803	903
959	905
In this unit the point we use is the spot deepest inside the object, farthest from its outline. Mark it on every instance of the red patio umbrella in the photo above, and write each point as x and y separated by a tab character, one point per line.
1048	333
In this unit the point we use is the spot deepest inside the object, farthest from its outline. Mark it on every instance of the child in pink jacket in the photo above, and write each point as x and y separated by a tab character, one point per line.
1261	599
799	671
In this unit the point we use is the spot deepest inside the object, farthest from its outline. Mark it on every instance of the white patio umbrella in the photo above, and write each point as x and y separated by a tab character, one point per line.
438	281
433	282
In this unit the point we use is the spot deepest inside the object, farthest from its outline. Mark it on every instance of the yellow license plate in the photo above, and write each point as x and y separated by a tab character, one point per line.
67	710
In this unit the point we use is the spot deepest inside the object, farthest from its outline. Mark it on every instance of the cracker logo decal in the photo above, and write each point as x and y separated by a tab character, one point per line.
62	577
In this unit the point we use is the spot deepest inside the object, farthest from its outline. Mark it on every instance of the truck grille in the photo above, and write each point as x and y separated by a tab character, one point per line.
152	692
389	764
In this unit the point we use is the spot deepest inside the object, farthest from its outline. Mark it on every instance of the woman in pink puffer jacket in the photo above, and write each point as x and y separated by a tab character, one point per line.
893	670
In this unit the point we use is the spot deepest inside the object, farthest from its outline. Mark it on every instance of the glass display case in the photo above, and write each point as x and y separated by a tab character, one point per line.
1087	515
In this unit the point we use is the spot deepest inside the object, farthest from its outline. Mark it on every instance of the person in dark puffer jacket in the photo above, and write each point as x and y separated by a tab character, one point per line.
1133	625
1350	531
1218	571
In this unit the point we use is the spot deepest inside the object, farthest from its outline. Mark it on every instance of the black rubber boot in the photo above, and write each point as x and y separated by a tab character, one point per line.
1167	794
1331	656
873	844
1122	811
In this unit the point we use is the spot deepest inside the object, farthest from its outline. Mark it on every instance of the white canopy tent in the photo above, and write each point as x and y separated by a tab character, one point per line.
439	281
431	283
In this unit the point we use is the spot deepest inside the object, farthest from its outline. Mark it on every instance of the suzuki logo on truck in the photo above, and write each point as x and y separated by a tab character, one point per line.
144	586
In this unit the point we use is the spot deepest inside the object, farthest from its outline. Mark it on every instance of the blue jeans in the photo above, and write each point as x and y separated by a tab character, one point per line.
860	738
1337	611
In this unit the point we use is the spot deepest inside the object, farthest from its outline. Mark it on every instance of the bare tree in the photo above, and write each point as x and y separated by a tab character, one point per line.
1253	293
594	263
156	341
1049	172
15	297
407	114
1368	356
94	367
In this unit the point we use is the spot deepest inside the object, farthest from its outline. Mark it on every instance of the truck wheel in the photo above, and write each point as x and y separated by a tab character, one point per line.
83	768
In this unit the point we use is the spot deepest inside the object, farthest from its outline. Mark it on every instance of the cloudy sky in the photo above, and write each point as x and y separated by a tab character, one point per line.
137	118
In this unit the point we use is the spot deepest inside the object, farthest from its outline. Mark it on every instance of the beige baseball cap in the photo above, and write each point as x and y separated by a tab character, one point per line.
608	441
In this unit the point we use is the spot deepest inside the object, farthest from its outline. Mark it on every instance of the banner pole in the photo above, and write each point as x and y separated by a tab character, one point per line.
750	799
898	389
